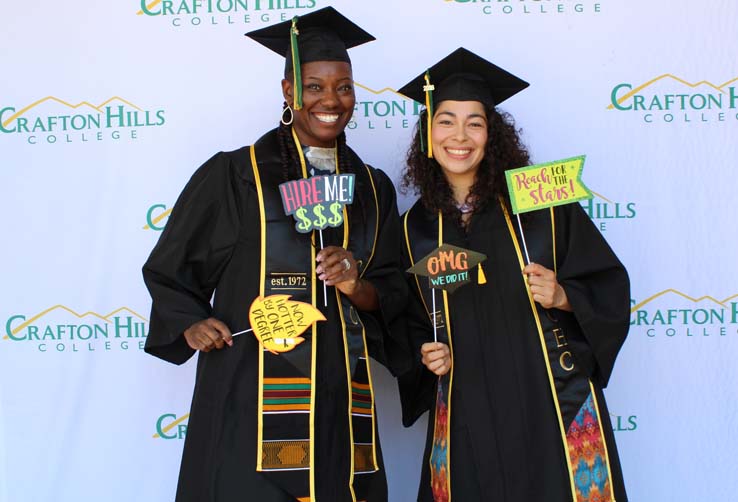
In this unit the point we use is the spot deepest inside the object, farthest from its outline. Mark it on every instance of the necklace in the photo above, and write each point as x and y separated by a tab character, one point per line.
465	207
321	158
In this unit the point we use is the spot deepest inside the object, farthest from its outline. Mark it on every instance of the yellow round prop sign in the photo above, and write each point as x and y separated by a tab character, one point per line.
278	321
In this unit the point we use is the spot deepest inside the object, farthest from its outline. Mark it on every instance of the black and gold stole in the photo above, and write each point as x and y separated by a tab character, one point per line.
287	395
573	395
425	236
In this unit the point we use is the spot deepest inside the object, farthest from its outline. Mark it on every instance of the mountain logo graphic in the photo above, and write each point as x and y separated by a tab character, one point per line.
383	109
670	93
226	12
722	303
672	313
65	329
52	119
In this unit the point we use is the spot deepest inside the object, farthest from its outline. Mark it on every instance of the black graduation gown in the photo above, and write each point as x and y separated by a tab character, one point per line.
505	440
211	244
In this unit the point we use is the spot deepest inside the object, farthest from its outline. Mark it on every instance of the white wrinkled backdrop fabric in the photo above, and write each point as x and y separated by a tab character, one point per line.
105	113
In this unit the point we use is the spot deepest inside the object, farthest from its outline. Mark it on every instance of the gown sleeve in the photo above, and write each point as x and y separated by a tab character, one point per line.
387	277
184	267
417	385
598	289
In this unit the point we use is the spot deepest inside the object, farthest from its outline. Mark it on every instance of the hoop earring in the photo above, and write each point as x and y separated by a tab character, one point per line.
292	116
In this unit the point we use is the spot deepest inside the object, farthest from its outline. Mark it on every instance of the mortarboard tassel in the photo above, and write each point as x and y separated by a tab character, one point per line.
481	278
429	88
296	70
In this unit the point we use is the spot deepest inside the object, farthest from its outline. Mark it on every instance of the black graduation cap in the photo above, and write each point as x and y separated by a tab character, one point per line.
462	76
449	267
322	35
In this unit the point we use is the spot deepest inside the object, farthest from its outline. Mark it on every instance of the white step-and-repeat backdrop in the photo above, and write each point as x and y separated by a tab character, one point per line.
106	108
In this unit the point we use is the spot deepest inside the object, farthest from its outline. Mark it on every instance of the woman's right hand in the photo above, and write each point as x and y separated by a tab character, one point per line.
436	357
208	334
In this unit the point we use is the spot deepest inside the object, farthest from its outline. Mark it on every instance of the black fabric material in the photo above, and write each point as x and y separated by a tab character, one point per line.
505	439
324	35
464	76
464	87
210	246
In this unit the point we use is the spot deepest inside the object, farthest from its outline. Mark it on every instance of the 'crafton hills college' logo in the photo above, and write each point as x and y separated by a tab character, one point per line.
61	329
671	314
51	120
157	217
198	13
668	99
169	426
624	423
533	7
603	211
383	109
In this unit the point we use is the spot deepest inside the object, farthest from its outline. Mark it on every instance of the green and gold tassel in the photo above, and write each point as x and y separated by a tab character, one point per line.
296	71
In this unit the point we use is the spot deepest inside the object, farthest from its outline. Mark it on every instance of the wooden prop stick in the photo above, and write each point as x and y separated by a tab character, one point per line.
325	289
522	236
435	328
242	332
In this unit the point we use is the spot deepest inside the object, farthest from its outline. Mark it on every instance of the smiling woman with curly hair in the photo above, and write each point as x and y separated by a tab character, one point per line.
504	150
512	365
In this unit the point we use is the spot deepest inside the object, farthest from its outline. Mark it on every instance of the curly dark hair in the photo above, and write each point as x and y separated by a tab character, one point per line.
504	151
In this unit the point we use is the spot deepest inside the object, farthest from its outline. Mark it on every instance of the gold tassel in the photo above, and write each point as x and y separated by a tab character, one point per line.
429	88
481	278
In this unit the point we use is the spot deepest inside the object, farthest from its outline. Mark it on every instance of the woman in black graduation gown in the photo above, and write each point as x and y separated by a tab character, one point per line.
296	425
525	349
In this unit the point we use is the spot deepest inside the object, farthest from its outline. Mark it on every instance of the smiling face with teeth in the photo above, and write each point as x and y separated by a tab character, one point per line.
328	102
459	136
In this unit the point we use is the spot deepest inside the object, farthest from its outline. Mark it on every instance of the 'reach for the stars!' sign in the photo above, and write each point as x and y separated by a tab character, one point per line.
317	202
447	267
547	185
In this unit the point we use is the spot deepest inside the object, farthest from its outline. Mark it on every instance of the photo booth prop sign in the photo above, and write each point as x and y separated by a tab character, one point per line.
447	267
547	185
278	322
317	202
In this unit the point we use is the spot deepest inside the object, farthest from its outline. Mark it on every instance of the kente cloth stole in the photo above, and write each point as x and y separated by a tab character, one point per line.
287	395
425	238
574	398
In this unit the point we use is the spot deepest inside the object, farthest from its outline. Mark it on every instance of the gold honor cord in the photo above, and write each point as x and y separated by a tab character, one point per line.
314	341
262	275
554	395
451	377
363	330
344	210
348	380
412	261
371	390
345	348
376	224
